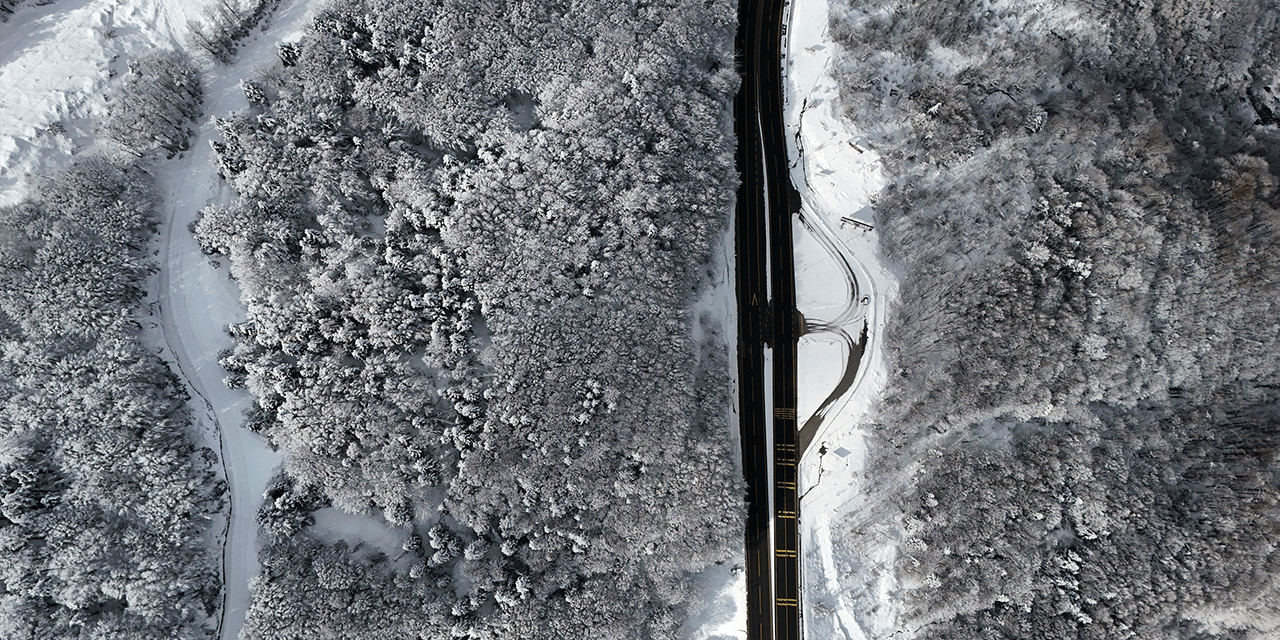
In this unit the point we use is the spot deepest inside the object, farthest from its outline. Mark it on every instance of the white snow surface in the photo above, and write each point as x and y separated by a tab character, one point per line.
842	285
55	63
335	524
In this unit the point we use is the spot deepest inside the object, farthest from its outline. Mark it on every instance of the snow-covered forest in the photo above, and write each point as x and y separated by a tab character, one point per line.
1079	436
111	510
106	502
468	238
475	243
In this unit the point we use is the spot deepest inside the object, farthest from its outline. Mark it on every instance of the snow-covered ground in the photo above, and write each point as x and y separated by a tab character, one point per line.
723	587
56	61
842	287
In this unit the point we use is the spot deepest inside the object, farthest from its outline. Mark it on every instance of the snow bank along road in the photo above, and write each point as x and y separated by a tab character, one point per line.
843	280
767	317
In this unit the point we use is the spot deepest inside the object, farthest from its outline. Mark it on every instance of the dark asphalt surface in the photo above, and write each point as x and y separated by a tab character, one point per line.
766	203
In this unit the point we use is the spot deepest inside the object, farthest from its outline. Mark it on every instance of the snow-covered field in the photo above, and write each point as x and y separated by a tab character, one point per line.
55	62
842	285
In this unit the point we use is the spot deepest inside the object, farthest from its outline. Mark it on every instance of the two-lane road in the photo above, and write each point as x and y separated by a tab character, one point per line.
767	317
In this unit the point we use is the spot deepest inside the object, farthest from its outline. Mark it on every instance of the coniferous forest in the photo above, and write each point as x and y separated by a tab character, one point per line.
1080	433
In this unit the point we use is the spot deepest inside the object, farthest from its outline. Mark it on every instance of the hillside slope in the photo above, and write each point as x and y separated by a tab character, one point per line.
1079	438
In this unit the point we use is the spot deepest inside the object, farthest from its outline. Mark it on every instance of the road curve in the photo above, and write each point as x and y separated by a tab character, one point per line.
850	313
853	358
852	308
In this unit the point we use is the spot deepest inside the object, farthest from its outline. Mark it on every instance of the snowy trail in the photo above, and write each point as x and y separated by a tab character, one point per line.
56	61
854	318
852	358
852	313
197	301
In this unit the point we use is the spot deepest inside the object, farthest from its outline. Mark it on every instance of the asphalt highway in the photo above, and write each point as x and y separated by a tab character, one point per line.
766	203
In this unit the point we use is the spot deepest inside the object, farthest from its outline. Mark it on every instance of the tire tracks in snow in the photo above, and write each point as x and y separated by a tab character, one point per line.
852	311
170	336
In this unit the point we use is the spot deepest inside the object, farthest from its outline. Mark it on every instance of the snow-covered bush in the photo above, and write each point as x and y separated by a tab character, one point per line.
155	104
225	24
